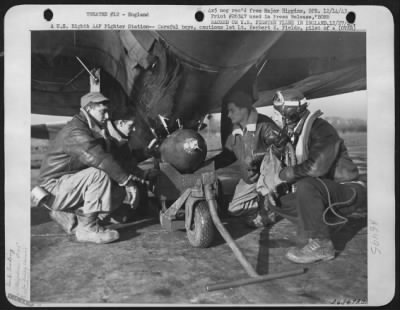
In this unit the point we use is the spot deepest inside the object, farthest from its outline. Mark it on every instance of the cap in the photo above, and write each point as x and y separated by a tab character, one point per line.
240	99
95	97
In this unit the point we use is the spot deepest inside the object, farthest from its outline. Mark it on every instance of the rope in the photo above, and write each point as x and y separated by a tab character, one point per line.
343	220
290	152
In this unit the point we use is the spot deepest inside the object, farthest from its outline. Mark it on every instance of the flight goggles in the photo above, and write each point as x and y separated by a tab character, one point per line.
279	101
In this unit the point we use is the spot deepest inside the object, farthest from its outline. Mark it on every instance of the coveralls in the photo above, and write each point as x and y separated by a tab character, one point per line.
243	144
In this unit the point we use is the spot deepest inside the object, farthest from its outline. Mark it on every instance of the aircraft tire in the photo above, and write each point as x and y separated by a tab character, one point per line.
202	231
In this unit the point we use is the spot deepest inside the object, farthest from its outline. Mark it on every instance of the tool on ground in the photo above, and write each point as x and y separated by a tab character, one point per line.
252	280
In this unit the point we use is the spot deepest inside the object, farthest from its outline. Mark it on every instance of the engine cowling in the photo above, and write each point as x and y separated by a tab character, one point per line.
184	149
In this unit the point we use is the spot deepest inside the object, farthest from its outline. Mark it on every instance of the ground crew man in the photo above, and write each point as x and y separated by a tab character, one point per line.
252	133
118	131
323	174
82	175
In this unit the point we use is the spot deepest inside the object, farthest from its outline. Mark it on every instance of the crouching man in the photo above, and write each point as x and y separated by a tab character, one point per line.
118	131
324	179
252	133
83	177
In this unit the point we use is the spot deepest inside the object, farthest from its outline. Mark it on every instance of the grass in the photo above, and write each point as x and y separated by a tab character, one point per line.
356	143
354	139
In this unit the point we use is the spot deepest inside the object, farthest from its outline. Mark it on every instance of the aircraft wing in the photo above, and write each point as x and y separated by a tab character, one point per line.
320	64
185	74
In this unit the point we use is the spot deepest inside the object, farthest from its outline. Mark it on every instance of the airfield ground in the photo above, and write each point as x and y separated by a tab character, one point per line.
151	266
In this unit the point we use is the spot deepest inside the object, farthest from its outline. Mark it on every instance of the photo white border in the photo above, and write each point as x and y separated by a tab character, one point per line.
378	23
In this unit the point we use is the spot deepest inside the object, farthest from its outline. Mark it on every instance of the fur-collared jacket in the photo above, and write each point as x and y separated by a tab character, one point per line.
320	152
80	144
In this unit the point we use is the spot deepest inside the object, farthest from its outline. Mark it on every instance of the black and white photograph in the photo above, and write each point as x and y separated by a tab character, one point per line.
209	166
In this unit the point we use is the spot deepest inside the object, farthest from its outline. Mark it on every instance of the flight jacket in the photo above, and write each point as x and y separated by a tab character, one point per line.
79	145
327	157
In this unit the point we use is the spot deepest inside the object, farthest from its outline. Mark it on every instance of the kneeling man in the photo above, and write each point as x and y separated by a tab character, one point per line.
83	177
323	177
252	133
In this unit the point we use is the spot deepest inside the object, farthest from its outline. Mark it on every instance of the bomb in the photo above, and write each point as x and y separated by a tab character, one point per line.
184	149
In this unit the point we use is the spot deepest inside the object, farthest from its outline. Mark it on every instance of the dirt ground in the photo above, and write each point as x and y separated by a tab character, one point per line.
149	265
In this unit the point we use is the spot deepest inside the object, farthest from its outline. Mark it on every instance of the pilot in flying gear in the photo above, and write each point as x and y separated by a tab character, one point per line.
83	177
252	133
323	179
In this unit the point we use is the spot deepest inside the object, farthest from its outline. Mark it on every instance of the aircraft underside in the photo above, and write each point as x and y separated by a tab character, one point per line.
174	78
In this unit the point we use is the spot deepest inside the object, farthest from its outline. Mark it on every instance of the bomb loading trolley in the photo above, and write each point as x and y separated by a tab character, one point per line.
182	184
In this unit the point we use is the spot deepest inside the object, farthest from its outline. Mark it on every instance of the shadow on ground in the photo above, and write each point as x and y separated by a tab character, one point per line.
235	227
130	230
39	215
342	235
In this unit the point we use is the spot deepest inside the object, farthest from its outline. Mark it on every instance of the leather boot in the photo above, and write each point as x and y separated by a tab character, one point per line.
88	230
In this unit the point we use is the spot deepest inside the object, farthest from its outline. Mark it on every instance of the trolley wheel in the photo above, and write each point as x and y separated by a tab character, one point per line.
201	232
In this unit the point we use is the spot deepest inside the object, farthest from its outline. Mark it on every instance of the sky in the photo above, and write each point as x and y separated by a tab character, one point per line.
48	119
350	105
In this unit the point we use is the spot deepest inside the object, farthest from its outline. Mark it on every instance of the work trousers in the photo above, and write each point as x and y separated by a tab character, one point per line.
91	190
305	207
245	199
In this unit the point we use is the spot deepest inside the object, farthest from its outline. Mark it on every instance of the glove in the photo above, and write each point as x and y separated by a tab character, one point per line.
269	179
271	198
282	139
132	195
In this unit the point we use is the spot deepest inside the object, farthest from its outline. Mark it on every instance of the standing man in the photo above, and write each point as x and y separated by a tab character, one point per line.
324	178
252	133
80	173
